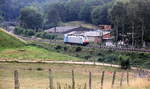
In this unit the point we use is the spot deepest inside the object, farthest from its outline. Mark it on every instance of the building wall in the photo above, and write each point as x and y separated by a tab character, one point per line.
96	39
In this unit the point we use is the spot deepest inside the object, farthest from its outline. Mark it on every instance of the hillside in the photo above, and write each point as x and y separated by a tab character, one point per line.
13	48
33	53
9	41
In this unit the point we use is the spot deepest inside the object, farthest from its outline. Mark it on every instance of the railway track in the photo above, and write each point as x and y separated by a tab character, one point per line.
91	46
122	49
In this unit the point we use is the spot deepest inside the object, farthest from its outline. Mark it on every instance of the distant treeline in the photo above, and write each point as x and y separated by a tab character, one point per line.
55	10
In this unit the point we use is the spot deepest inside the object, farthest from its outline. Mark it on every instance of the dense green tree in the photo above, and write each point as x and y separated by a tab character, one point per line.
85	13
53	17
73	9
100	15
118	16
31	18
131	21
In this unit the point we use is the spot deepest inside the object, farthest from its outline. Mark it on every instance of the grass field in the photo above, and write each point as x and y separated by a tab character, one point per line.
8	40
33	53
35	76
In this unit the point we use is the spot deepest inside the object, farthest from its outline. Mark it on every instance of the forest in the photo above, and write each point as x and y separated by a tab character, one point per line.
129	18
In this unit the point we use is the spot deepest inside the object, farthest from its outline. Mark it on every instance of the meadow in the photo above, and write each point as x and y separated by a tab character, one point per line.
35	76
33	53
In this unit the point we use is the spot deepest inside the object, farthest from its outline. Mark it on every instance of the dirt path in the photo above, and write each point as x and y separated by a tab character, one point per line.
70	62
63	62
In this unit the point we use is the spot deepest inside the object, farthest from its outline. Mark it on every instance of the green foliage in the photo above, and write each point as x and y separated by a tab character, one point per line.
31	18
100	55
45	35
85	13
125	62
78	49
131	17
65	49
30	32
25	32
87	57
110	58
53	16
100	15
58	47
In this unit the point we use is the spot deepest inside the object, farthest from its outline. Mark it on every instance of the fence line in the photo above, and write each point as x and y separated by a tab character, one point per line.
73	86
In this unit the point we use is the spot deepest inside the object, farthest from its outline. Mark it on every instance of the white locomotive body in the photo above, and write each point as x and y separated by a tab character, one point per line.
76	39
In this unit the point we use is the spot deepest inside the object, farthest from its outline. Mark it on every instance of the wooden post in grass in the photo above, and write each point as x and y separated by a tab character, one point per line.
50	79
121	80
85	86
113	79
16	79
128	77
90	80
73	80
102	79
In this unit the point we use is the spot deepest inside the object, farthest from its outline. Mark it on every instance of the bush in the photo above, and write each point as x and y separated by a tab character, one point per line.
100	59
25	32
78	49
65	48
125	62
30	32
99	54
87	57
110	58
58	47
19	30
45	35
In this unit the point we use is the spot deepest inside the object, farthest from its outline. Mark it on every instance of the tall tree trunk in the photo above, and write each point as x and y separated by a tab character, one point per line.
142	39
116	30
133	34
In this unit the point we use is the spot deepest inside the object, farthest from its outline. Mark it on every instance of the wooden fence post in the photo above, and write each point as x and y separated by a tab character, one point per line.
50	79
113	79
73	80
102	79
85	86
16	79
90	80
128	77
121	80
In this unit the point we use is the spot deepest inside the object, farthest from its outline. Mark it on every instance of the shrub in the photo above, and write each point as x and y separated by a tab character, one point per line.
125	62
78	49
30	32
87	57
99	54
100	59
45	35
58	47
22	31
110	58
65	48
19	30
